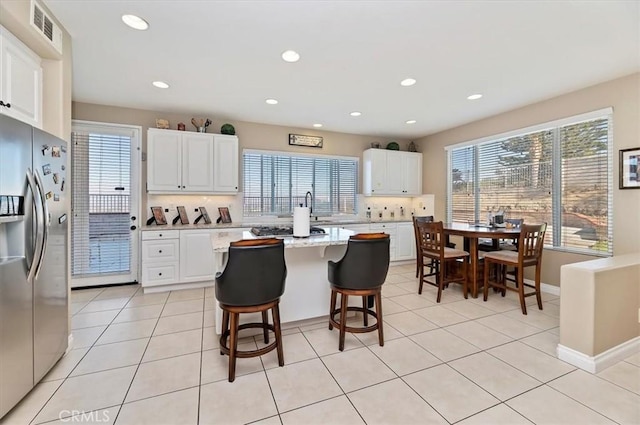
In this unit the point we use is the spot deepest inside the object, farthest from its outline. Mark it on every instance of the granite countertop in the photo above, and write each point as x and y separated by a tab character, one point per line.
249	224
334	236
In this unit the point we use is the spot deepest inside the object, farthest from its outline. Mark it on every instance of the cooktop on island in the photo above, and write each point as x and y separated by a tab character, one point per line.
283	231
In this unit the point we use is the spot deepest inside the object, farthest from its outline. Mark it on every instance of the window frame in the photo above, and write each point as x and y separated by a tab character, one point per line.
556	194
334	185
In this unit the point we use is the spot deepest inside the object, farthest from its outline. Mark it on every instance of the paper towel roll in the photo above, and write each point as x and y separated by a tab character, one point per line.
301	223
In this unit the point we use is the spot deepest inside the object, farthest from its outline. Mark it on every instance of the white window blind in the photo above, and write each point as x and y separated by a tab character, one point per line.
560	175
276	182
100	234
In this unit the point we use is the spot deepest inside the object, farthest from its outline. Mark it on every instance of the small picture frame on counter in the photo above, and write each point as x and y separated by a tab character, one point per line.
182	213
158	216
204	216
225	217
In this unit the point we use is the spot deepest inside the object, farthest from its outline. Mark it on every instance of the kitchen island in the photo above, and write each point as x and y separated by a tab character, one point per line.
307	293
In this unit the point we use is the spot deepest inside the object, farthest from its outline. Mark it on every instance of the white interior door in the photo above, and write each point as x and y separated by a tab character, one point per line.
105	203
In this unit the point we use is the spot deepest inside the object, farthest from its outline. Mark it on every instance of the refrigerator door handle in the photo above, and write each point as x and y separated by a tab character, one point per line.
45	222
37	250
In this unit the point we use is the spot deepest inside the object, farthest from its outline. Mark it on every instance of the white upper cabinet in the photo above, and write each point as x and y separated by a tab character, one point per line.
197	162
164	161
189	162
20	80
225	163
391	173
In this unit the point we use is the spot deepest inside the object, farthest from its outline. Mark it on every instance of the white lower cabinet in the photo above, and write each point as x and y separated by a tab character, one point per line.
196	256
160	257
391	229
405	242
177	256
186	256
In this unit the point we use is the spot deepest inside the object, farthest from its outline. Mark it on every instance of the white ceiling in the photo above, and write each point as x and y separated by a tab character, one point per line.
222	58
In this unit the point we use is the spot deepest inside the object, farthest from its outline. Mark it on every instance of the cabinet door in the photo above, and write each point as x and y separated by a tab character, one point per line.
197	162
20	81
395	173
392	230
164	154
405	242
412	173
196	256
375	172
225	163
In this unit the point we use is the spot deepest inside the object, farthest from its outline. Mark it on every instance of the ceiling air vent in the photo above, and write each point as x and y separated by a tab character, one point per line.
45	26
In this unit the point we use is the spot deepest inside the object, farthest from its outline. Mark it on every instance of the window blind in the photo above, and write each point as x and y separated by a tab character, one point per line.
100	201
276	182
560	175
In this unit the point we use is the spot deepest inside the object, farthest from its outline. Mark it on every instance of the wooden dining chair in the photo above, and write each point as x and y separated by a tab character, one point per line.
433	247
530	244
419	257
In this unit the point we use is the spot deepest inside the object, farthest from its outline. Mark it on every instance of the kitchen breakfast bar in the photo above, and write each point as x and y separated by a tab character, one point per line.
307	292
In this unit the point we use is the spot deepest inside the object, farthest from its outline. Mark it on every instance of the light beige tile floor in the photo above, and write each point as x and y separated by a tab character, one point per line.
154	359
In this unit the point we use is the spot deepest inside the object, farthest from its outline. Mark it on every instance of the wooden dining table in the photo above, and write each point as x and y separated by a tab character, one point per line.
473	232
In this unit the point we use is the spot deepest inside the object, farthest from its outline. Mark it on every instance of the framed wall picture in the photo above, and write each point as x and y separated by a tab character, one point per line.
182	213
302	140
158	215
630	168
225	217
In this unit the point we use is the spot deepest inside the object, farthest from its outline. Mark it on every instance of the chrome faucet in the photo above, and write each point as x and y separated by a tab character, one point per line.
305	202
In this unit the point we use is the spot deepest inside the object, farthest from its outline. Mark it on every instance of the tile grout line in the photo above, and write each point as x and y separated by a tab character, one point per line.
139	363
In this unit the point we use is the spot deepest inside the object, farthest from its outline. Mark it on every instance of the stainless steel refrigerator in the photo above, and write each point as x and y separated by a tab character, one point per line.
33	257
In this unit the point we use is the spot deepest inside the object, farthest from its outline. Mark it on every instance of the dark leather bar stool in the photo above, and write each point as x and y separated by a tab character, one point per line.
361	272
252	281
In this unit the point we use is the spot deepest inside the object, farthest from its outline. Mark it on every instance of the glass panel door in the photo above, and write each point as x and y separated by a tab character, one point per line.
105	204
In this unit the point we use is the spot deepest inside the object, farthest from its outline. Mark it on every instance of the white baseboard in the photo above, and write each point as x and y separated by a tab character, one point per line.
601	361
69	344
545	287
177	287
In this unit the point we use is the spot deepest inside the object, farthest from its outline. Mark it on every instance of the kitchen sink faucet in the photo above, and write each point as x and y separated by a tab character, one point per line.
305	201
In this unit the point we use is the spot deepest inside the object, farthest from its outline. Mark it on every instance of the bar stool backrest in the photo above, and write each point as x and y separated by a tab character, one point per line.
255	273
364	265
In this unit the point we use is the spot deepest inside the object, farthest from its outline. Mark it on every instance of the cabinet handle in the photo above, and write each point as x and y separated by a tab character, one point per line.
160	235
178	186
8	105
159	274
183	187
159	251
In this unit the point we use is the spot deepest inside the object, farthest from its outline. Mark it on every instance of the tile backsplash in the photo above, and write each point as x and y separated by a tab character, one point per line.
381	208
193	202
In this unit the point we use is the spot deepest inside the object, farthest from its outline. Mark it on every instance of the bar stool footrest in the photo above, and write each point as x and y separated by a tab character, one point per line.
371	328
243	354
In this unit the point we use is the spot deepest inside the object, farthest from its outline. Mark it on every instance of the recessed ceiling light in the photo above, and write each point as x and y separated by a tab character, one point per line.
135	22
290	56
407	82
474	96
271	101
411	122
160	84
355	114
317	125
